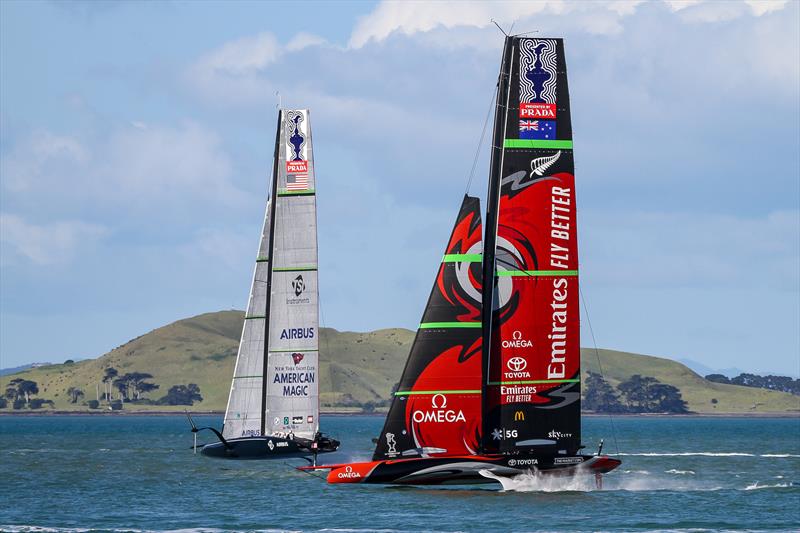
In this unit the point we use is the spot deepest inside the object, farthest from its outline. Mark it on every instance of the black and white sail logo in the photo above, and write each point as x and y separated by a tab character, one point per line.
298	287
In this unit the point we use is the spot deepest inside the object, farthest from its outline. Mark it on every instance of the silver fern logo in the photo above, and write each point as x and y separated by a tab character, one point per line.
540	165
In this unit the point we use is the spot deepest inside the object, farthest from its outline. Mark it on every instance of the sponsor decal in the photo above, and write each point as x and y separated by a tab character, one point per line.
297	420
561	200
391	443
282	444
558	435
517	393
537	110
276	420
519	416
270	445
251	433
297	357
540	164
523	462
348	473
537	71
294	168
517	341
567	460
285	420
516	368
295	382
298	287
502	434
295	138
537	129
297	333
439	412
310	419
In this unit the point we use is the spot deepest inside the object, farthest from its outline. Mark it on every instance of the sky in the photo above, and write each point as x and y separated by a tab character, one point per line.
136	145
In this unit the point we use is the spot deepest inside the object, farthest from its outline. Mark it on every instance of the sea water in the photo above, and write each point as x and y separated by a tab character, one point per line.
136	473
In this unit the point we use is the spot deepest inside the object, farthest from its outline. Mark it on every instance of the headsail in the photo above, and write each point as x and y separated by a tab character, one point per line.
532	359
244	411
275	390
436	409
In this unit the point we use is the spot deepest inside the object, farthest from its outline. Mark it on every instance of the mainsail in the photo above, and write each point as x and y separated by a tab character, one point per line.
436	408
275	389
531	352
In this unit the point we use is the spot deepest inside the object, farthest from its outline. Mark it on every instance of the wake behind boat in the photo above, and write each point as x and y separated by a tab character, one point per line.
273	407
491	387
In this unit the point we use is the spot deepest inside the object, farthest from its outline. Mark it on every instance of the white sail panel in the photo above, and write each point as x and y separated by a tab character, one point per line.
244	410
292	371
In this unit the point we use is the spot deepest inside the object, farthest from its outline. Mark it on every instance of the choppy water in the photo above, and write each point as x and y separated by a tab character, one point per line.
138	473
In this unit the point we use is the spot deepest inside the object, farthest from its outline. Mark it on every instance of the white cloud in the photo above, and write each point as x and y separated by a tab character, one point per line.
304	40
46	244
598	17
133	166
242	56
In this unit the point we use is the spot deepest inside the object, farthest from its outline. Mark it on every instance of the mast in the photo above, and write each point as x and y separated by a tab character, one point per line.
492	208
270	256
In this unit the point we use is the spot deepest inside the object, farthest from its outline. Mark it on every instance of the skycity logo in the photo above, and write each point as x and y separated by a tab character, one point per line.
439	412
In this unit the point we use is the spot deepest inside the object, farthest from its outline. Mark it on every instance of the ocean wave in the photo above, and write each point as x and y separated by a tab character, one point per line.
679	472
642	472
757	486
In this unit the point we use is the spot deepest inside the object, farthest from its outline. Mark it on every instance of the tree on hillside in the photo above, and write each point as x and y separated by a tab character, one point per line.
182	395
645	394
600	396
636	392
718	378
108	379
74	394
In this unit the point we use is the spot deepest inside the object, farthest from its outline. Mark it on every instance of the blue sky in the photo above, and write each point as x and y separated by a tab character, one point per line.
136	143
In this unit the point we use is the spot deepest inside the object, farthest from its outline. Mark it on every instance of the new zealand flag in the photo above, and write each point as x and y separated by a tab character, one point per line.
537	129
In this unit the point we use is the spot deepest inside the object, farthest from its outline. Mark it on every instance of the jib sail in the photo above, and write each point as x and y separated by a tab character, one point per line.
436	408
532	352
276	391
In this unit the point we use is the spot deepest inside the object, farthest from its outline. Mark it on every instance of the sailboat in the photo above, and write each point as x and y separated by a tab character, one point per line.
491	387
273	406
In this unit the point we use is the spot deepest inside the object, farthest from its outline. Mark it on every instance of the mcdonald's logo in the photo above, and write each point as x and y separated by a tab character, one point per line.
519	416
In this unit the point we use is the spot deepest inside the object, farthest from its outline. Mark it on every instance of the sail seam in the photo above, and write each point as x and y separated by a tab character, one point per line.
254	317
538	143
415	392
462	258
294	350
293	269
534	382
437	325
521	273
297	193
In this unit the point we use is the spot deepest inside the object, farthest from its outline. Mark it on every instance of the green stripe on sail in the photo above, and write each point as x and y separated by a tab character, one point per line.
535	273
262	259
438	325
537	143
309	192
461	258
414	392
254	317
534	382
293	269
295	350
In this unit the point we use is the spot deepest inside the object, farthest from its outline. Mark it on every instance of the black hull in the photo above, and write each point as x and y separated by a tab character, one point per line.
462	470
261	448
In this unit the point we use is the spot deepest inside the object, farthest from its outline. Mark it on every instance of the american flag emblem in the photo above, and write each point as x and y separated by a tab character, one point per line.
297	182
528	125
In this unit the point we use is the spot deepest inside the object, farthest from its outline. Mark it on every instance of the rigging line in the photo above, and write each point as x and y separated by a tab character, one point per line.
599	364
480	143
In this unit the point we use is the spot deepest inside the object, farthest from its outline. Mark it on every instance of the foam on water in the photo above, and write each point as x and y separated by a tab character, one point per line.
708	454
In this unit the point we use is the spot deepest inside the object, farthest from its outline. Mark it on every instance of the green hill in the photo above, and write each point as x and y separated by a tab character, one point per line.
355	368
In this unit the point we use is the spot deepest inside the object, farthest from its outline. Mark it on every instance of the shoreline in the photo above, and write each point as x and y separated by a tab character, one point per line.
100	412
